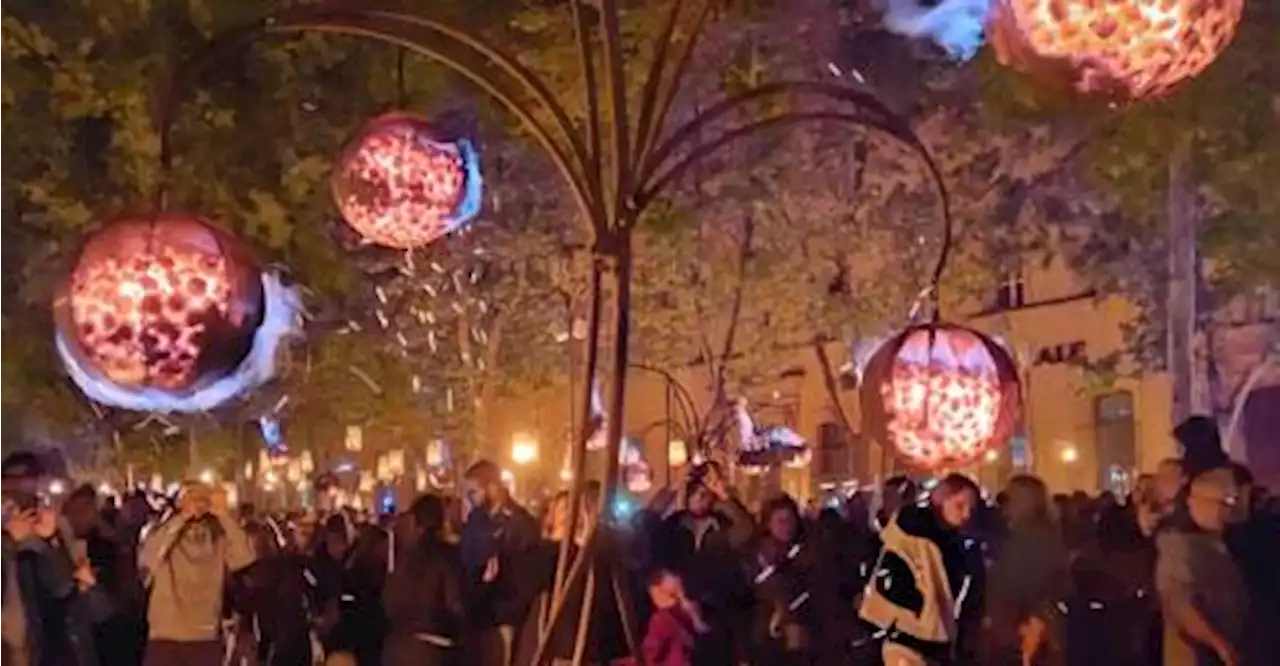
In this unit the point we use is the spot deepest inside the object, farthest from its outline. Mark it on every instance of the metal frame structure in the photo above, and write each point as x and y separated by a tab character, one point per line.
617	163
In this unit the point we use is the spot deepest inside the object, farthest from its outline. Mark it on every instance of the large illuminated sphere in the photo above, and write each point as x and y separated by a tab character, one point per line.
940	395
1117	49
399	184
167	302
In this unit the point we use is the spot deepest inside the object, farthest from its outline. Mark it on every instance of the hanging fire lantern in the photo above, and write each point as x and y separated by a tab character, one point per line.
940	395
167	302
1120	49
401	184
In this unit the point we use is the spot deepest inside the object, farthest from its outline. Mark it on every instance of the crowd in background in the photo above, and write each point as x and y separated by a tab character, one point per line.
1181	571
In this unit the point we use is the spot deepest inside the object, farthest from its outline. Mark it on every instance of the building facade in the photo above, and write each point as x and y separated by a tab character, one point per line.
1089	422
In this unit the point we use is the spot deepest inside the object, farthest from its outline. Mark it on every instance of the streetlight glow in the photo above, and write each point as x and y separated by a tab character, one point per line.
524	450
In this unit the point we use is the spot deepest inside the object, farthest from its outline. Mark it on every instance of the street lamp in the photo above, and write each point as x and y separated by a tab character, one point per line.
524	450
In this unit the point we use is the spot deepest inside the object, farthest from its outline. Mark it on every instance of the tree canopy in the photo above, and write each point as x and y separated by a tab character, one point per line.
818	233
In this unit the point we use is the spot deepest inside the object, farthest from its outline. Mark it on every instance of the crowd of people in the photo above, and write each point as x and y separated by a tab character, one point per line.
1182	571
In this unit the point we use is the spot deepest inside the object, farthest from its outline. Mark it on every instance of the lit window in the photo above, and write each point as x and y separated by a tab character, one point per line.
1011	293
1114	436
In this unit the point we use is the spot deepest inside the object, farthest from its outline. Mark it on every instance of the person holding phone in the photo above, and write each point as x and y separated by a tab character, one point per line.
185	562
41	585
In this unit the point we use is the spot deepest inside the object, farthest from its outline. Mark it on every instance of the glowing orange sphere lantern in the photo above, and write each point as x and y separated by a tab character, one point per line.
1117	49
165	302
940	395
400	183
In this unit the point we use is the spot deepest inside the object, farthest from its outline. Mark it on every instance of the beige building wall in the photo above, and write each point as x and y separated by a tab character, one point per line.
1058	329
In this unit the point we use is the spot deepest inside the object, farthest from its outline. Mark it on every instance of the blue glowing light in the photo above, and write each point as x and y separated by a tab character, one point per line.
283	307
270	427
623	508
387	502
473	197
955	25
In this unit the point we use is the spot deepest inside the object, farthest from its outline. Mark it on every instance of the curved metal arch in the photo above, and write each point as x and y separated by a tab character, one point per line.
654	178
391	27
521	74
684	399
390	34
659	93
863	100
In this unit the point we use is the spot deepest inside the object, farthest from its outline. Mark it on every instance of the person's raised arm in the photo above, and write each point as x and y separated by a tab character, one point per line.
741	527
238	553
157	543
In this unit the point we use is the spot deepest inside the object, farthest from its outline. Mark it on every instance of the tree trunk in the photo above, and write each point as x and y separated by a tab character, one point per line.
1181	305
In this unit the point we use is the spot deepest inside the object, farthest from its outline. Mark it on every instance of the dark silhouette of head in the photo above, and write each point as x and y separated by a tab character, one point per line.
1201	445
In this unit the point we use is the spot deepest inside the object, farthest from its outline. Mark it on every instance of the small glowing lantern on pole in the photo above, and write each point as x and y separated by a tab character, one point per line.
401	184
940	395
677	453
1117	49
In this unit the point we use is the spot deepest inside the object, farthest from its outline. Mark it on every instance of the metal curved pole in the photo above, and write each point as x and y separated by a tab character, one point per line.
559	138
656	178
688	407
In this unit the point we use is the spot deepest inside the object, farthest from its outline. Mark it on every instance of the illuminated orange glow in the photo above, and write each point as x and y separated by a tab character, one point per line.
941	414
149	301
397	186
941	402
1125	49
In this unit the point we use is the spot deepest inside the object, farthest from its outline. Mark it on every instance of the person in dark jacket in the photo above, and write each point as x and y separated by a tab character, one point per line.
362	618
424	592
273	593
498	546
1027	580
698	543
796	597
47	594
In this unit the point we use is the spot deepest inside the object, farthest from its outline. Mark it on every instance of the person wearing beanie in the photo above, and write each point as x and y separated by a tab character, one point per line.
1201	445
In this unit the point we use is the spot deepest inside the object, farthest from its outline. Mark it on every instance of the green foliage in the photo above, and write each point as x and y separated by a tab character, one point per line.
251	142
1227	112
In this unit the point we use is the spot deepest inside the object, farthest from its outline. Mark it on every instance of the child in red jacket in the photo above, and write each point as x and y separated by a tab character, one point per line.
675	624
